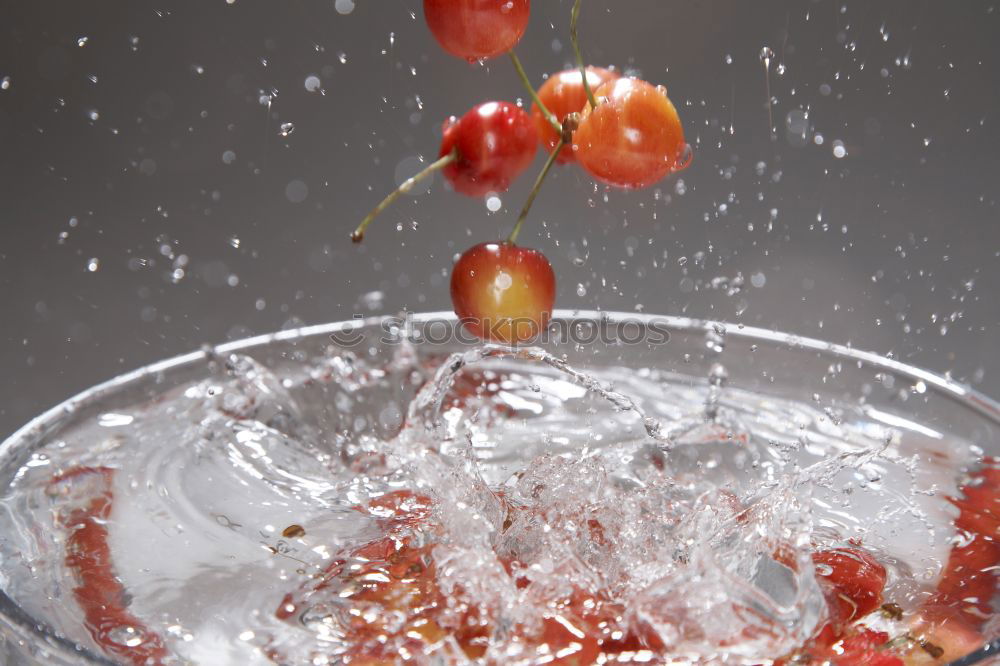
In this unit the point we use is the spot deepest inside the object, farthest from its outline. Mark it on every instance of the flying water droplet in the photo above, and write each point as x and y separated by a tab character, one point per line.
313	83
286	129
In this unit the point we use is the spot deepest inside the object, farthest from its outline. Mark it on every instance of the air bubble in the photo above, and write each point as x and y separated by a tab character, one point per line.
127	636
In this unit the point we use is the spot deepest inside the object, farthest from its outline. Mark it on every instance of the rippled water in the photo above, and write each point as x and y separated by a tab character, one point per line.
482	506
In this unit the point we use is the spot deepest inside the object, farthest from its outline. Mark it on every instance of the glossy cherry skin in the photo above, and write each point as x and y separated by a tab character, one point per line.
495	141
503	292
476	29
563	94
633	137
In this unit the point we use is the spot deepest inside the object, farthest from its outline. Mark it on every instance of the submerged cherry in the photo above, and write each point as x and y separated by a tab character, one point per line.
563	94
494	143
633	137
476	29
503	292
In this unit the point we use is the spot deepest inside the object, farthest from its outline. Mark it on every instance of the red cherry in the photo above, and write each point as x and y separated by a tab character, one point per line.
633	137
475	29
852	581
563	94
495	142
503	292
483	151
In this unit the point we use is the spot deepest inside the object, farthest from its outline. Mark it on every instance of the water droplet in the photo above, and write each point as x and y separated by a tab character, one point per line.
93	264
228	157
5	83
234	241
493	203
581	291
313	83
685	158
93	115
286	129
839	150
82	41
344	7
296	191
766	55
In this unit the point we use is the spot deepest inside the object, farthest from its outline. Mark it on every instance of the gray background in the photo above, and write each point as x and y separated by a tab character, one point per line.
149	150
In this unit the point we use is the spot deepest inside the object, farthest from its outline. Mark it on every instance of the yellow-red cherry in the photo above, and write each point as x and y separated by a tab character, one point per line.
494	143
477	29
562	94
503	292
633	137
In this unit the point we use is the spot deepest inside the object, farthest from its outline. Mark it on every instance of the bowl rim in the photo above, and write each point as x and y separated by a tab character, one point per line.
12	614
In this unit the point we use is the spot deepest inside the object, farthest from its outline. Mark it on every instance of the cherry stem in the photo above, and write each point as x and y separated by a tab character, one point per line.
359	234
531	91
573	17
536	187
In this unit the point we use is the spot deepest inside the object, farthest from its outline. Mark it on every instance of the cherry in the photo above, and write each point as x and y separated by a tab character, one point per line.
632	137
494	141
563	94
98	590
503	292
476	29
483	151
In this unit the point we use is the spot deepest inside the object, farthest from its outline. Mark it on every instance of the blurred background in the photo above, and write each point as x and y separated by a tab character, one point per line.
183	172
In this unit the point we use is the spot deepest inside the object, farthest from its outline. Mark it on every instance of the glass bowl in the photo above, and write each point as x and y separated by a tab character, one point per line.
765	362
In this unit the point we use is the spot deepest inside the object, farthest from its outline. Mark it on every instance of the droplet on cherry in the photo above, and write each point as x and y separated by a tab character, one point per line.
633	137
562	94
495	142
503	292
477	29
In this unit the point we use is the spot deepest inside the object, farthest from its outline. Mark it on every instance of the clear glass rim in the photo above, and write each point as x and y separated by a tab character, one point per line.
11	614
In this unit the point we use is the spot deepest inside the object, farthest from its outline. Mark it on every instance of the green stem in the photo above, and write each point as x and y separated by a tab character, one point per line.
573	17
534	96
534	191
359	234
